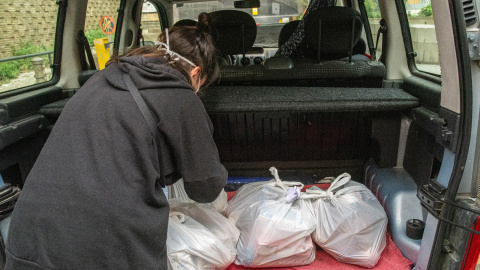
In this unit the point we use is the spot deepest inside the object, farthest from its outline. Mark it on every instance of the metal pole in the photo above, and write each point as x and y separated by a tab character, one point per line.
37	63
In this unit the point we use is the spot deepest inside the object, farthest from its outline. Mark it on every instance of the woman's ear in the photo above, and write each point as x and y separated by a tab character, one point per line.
195	71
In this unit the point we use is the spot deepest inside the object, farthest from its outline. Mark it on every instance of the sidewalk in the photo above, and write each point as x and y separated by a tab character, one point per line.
24	79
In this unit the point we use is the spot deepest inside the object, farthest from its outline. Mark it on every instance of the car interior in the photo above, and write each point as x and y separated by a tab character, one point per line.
329	112
336	105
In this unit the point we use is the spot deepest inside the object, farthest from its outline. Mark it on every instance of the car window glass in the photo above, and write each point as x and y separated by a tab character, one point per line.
100	26
26	43
151	27
422	29
374	17
270	17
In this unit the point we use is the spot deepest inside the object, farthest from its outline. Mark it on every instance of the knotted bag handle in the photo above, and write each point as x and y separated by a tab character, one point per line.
282	184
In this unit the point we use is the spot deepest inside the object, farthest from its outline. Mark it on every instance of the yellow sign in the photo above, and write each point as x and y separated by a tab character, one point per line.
254	11
103	55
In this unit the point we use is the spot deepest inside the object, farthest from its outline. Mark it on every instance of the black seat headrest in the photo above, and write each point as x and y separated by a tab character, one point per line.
186	22
340	30
233	31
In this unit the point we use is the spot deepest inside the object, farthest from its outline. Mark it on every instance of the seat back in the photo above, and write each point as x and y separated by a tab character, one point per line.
233	31
332	32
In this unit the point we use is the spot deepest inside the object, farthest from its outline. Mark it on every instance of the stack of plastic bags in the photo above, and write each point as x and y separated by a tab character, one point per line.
350	222
275	225
199	236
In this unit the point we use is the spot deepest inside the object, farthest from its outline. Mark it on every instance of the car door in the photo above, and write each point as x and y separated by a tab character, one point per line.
31	73
439	150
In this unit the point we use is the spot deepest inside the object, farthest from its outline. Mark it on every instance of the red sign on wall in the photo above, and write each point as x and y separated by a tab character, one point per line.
107	24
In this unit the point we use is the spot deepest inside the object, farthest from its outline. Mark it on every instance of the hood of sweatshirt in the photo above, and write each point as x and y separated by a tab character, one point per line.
146	73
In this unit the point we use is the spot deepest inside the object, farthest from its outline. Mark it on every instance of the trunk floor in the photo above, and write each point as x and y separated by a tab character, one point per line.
391	257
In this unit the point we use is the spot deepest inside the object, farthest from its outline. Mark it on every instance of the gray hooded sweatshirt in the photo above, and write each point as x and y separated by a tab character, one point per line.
94	198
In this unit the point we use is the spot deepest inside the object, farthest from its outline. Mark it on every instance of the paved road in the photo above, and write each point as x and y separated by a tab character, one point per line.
435	69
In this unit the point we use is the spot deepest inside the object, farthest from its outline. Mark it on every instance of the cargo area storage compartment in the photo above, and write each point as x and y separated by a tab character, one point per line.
308	131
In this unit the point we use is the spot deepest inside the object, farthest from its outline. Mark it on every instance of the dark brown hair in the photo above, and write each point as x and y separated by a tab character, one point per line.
191	42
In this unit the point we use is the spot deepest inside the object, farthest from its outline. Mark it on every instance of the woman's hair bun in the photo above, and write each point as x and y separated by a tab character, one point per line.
204	21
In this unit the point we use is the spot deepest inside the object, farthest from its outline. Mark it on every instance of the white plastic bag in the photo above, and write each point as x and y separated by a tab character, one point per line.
177	191
273	231
251	193
351	223
222	227
192	246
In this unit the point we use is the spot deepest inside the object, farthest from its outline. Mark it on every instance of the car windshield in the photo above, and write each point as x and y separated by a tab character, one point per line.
270	16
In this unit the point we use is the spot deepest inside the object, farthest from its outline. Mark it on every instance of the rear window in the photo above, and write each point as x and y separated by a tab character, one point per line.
26	41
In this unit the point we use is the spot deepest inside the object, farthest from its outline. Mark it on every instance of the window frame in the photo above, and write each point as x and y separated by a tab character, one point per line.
408	43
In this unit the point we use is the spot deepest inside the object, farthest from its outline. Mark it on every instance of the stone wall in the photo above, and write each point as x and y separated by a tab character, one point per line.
22	21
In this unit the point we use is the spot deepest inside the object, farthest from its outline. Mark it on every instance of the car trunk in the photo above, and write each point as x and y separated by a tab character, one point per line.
310	133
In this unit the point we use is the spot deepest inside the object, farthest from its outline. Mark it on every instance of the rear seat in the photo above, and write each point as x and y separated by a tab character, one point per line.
327	49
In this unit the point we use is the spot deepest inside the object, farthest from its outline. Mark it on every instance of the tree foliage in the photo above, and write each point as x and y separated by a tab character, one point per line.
426	11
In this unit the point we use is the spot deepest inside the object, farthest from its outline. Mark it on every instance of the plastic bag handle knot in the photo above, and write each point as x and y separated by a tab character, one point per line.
180	217
279	183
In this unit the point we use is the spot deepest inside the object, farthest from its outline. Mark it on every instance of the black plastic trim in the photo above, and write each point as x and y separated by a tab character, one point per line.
428	92
20	129
469	12
27	103
118	31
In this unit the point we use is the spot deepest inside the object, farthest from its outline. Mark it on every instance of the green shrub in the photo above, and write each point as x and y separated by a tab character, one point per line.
94	34
9	70
25	49
426	11
371	7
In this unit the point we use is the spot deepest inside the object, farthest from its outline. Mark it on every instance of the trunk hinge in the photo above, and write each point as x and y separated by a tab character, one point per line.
432	197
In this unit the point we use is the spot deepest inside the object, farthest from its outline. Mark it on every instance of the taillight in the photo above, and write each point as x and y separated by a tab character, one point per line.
472	253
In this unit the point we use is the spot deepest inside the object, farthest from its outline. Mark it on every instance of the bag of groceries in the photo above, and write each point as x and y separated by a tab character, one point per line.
205	214
275	226
190	245
250	193
351	223
177	191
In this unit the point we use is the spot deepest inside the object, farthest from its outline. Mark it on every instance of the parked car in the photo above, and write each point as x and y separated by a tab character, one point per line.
401	118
